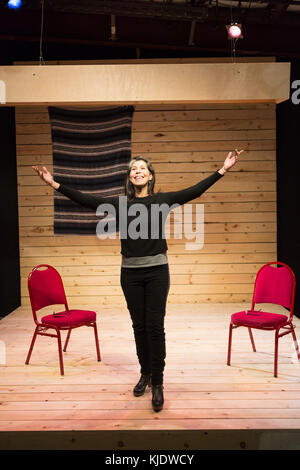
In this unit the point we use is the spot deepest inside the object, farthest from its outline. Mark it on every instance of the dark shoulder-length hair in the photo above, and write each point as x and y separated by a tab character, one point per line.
129	187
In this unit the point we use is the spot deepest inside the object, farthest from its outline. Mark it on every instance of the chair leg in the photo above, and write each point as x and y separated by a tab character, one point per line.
276	354
67	340
229	344
31	345
252	339
61	363
97	342
296	344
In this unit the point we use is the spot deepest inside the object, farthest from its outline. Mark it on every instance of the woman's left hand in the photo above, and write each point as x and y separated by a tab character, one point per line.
231	159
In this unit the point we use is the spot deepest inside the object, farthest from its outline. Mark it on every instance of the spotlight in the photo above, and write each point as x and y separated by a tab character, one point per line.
234	31
14	4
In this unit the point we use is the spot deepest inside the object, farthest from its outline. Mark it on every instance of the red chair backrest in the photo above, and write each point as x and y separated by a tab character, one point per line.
45	287
275	285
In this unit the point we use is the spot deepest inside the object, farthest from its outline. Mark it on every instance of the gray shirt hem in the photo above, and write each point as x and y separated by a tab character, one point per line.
144	261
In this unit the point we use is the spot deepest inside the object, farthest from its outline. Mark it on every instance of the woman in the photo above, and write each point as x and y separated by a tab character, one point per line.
145	269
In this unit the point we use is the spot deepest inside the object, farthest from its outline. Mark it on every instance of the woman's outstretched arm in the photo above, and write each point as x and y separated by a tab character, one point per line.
188	194
85	200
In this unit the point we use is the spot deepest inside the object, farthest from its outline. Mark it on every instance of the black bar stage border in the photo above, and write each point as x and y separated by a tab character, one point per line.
141	460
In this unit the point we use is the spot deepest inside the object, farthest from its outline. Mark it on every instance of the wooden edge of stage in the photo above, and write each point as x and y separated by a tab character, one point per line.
187	440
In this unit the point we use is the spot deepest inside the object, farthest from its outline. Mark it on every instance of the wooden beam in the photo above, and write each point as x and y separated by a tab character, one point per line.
110	84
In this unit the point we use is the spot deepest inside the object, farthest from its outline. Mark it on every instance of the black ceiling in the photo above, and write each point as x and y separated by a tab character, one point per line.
79	29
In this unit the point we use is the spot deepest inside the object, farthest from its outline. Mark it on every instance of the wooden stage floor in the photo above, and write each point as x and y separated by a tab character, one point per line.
208	405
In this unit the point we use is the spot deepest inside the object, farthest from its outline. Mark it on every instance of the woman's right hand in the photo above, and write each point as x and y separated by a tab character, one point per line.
45	175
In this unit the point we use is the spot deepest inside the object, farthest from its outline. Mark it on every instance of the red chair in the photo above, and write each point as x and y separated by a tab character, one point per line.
46	288
275	285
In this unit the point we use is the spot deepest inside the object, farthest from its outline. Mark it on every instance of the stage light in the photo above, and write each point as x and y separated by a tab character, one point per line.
14	4
234	31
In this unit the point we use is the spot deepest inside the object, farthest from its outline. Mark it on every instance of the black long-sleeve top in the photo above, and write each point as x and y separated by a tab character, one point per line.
143	246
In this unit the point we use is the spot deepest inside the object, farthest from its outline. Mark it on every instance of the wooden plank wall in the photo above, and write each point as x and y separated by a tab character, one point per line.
185	143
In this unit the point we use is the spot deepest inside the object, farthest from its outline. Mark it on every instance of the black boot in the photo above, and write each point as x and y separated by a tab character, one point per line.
157	397
140	387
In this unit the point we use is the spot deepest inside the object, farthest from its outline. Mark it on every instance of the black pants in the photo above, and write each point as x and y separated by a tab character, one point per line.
146	291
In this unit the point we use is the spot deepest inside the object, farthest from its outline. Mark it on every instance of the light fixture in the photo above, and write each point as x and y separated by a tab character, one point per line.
15	4
234	31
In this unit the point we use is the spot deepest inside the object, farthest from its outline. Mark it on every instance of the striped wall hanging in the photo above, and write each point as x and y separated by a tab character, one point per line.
91	153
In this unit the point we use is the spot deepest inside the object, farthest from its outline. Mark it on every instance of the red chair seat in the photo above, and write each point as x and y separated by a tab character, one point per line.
259	319
75	317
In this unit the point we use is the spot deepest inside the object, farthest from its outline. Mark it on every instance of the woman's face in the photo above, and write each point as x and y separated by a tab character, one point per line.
139	174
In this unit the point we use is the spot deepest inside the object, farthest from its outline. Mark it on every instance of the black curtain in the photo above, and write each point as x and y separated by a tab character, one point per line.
288	179
9	239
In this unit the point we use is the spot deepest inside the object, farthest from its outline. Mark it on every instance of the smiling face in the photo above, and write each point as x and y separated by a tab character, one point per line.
139	174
